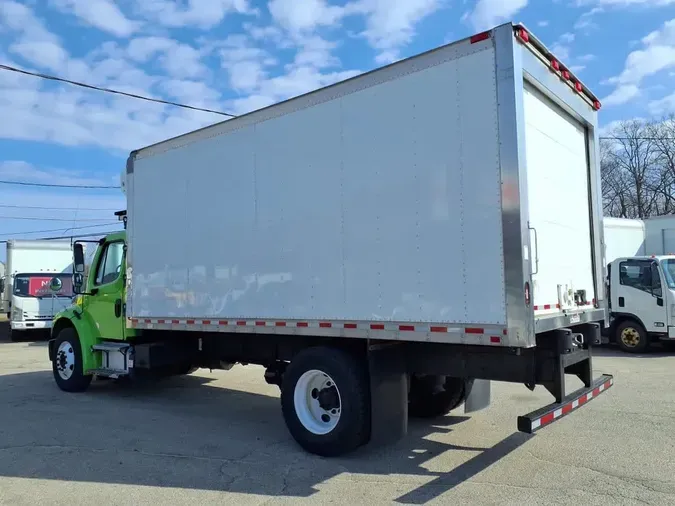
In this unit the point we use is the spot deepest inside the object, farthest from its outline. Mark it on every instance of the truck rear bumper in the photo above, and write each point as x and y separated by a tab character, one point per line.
553	412
563	319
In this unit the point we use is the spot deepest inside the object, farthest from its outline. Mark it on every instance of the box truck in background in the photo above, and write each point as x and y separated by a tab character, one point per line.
640	281
384	246
37	283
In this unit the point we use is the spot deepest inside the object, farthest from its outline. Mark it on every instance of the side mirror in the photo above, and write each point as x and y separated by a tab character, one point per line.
78	281
78	258
55	285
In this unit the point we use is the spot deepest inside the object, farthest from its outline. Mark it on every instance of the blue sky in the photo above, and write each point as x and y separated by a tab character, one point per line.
239	55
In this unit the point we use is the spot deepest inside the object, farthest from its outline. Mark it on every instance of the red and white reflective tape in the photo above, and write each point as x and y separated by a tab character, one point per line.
546	307
548	418
495	333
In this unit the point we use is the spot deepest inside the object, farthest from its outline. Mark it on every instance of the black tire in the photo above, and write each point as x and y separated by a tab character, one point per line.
631	337
350	378
14	336
434	396
77	382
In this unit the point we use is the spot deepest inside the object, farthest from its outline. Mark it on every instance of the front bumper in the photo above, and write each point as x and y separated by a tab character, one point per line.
31	325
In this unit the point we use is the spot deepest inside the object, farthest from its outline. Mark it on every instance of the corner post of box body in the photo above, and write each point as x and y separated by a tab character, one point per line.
515	233
129	192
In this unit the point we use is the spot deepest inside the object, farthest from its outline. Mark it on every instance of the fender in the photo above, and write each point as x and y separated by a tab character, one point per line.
86	329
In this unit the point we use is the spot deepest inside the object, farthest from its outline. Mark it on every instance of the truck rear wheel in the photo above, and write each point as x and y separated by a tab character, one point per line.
67	362
631	337
433	396
325	401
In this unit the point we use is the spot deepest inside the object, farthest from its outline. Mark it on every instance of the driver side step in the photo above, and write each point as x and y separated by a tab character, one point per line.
108	346
116	358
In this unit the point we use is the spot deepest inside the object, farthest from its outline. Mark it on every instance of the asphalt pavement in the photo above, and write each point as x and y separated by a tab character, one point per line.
219	438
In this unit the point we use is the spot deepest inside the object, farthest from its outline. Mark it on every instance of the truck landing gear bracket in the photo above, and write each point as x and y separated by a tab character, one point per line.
540	418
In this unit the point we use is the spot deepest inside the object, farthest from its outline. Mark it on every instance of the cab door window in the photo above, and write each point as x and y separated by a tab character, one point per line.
110	263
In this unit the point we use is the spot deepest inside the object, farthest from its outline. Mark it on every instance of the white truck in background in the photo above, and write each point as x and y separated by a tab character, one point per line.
37	284
387	245
640	281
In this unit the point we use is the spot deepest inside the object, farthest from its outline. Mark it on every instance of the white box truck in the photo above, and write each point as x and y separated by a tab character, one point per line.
640	281
37	284
384	246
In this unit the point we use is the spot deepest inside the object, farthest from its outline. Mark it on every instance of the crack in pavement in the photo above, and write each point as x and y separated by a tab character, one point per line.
636	481
241	459
563	490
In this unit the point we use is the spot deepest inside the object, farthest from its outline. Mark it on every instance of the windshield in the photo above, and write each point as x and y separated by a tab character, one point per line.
669	272
38	285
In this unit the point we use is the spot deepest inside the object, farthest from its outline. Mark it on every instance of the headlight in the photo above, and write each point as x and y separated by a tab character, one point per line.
78	300
17	314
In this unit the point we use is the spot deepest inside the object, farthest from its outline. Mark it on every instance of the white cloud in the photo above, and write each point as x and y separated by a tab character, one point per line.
102	14
656	55
32	41
628	3
489	13
201	13
19	170
621	95
543	23
663	106
586	22
390	24
36	110
178	59
305	15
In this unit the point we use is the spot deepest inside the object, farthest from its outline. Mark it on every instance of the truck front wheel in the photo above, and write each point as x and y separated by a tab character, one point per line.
67	362
325	401
433	396
631	337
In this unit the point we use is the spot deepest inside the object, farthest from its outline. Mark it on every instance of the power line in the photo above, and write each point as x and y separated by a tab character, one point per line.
43	208
62	229
637	138
110	90
76	236
37	218
47	185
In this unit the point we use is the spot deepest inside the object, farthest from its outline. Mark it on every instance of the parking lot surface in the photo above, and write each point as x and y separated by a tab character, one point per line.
219	438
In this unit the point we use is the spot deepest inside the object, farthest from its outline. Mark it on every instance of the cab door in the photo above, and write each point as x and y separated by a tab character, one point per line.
105	303
640	293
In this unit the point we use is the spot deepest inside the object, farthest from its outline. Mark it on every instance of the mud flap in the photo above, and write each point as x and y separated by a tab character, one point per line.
477	395
388	394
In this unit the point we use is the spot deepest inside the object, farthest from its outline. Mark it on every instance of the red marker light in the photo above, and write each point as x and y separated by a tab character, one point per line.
480	37
522	35
566	74
578	87
597	105
555	65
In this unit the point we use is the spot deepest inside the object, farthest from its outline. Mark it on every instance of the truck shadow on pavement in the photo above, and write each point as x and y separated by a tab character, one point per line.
657	350
185	433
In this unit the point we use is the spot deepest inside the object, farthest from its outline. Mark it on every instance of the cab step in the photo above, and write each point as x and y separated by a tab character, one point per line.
108	373
108	346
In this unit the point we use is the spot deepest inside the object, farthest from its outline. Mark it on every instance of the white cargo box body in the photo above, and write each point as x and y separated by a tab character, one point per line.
393	205
623	238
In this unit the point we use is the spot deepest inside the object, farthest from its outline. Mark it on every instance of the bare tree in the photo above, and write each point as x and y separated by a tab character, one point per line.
633	184
663	135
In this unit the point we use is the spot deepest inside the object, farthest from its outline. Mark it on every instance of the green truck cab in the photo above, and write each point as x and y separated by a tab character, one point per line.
95	322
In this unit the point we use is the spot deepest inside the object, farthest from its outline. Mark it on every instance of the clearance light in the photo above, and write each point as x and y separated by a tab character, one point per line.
523	36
